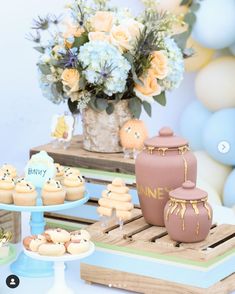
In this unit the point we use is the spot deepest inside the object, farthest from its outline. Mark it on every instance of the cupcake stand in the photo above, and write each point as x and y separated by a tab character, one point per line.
25	265
38	170
59	285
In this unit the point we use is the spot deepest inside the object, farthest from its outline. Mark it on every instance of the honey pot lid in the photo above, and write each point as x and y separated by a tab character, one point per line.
188	191
166	139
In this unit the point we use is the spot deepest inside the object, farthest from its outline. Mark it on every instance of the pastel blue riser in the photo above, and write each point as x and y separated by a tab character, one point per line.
95	191
85	211
182	274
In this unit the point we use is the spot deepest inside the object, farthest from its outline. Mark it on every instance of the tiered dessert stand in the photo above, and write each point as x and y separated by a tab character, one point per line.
25	265
59	285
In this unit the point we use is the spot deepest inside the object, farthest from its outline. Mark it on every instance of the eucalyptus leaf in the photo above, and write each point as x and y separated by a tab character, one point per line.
161	98
92	103
110	108
134	105
82	83
39	49
181	39
44	68
195	7
190	18
148	108
59	87
101	104
185	2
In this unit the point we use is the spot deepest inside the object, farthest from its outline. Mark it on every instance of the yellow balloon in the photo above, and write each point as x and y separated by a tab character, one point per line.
211	171
200	58
213	196
214	84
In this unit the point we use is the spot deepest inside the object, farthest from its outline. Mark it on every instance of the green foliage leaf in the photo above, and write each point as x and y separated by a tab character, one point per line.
39	49
101	104
190	18
148	108
73	106
79	41
161	98
44	68
195	7
110	108
59	87
82	83
181	39
186	2
134	105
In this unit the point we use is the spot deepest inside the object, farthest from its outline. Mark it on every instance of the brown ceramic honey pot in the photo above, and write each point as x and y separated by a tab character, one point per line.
188	215
164	164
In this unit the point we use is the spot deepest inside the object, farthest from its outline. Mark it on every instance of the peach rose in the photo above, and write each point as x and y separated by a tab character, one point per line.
159	64
121	38
73	31
149	89
102	21
134	27
70	78
98	36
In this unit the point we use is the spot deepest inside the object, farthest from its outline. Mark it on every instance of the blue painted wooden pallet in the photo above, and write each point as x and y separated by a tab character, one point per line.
141	251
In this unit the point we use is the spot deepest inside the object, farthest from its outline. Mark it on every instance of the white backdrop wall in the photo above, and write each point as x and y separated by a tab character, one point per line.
24	113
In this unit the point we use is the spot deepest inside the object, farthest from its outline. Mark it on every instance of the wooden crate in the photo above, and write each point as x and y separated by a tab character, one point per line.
142	258
11	221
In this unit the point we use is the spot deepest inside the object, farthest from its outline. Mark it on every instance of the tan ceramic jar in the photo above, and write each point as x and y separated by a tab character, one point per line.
164	164
188	215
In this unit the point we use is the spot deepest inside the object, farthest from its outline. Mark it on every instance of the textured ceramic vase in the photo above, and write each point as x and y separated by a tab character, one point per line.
101	130
164	164
188	215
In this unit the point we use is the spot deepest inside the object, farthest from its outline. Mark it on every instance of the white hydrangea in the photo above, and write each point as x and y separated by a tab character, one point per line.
104	66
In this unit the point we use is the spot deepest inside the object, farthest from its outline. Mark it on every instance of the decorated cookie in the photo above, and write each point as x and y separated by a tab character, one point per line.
53	193
51	249
32	243
6	188
24	193
77	246
116	198
57	235
74	185
80	235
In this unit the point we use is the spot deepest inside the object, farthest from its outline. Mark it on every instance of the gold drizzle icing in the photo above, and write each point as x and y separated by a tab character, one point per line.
162	150
208	210
180	206
198	228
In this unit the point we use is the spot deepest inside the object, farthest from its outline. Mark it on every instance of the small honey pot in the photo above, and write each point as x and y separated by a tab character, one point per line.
188	215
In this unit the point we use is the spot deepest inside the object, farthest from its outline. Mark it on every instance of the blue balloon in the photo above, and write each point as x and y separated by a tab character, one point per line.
215	24
229	190
192	124
219	136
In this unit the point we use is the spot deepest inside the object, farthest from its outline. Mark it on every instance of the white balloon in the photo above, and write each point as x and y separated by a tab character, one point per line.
215	24
211	171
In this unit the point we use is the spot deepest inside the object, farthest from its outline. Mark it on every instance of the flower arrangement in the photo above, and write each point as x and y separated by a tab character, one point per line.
103	54
5	237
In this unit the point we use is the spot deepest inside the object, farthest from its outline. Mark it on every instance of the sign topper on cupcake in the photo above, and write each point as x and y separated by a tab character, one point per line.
40	168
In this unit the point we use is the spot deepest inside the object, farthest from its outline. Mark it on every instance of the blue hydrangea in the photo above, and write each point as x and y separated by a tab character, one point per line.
104	66
175	65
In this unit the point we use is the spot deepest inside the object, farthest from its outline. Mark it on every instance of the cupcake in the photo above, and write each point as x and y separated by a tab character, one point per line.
6	188
10	169
53	193
24	194
74	186
59	172
69	170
